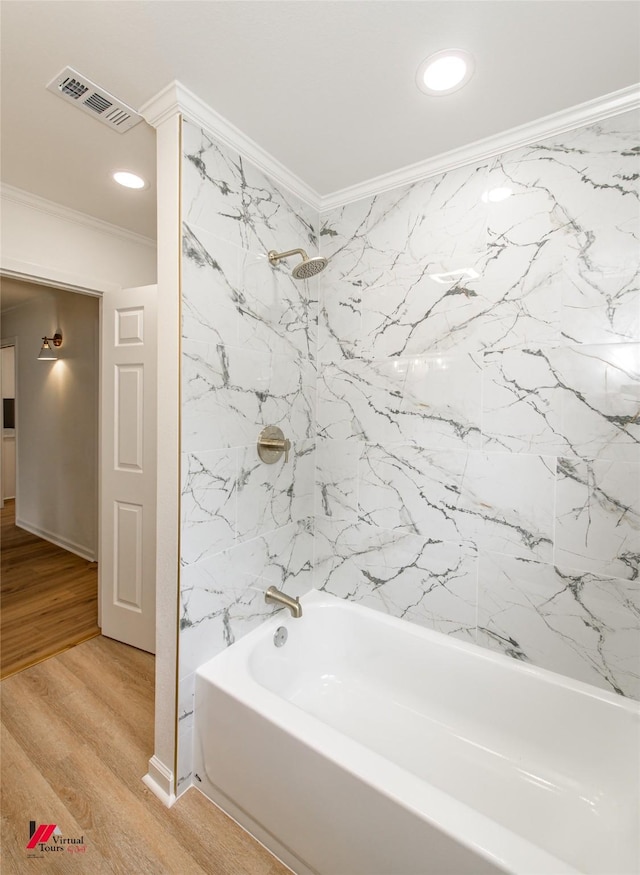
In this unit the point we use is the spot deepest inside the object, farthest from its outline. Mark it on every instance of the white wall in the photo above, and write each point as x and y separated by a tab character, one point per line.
57	418
44	240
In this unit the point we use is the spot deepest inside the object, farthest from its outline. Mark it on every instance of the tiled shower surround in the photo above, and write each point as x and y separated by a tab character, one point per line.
467	393
249	339
478	404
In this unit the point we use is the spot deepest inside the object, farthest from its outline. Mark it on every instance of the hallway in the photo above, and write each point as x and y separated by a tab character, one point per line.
49	597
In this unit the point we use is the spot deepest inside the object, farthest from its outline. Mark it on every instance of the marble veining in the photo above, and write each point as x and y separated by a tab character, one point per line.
461	386
249	340
479	388
420	579
231	198
573	622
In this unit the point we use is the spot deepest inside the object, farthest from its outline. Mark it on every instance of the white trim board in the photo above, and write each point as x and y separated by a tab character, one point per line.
159	779
42	275
176	99
35	202
71	546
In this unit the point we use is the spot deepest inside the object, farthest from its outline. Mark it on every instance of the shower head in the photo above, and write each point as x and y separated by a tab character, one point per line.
307	268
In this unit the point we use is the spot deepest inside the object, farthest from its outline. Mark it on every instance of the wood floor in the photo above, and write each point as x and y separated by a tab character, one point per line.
77	733
49	597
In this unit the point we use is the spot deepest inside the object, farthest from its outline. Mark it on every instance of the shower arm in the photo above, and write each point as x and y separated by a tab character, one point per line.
274	257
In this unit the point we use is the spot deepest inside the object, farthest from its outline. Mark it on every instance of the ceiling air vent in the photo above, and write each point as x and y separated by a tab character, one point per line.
86	95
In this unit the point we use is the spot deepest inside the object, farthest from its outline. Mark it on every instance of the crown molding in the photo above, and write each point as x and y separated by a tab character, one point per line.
58	211
551	125
176	99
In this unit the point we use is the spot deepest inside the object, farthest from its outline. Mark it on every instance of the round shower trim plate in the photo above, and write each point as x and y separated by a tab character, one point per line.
458	63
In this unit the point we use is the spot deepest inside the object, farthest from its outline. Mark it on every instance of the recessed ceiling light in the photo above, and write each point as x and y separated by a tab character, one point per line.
494	195
445	72
129	180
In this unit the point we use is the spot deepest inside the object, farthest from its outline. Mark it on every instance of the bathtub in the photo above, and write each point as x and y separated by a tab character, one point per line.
366	745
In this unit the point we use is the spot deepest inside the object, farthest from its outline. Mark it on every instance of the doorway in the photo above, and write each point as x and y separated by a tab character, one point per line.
50	529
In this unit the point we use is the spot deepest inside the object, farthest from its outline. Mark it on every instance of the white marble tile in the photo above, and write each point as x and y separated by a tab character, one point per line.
601	400
500	502
230	394
499	298
434	400
581	401
208	503
221	601
291	397
272	496
360	399
224	392
186	696
416	314
340	317
601	306
336	493
441	404
572	622
288	557
435	219
384	251
598	517
212	295
278	313
185	758
229	197
418	579
521	399
408	489
566	185
510	498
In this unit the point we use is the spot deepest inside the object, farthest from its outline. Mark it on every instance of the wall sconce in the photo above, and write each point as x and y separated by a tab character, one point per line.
46	353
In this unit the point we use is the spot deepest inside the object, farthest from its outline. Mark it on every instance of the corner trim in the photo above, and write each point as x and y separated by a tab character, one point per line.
159	779
551	125
175	99
35	202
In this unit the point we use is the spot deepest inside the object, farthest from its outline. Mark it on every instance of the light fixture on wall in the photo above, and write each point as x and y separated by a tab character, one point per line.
47	354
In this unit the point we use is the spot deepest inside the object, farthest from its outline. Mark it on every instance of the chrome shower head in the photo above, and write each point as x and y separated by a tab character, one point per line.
307	268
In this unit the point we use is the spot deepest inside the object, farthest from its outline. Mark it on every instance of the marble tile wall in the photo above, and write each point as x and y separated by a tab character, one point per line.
478	404
249	339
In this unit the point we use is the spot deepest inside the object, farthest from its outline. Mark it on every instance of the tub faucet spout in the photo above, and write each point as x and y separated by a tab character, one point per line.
274	596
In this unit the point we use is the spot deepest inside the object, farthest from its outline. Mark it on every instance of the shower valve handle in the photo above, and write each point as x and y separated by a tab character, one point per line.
272	444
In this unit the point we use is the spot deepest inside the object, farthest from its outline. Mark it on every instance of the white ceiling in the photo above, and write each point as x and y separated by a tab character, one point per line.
326	87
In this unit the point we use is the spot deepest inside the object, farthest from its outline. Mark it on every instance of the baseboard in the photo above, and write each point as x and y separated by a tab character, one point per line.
71	546
159	779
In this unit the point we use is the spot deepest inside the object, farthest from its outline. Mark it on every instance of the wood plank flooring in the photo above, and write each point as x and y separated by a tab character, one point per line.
49	597
77	733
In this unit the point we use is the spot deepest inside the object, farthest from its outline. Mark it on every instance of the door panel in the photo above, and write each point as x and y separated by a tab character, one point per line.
128	466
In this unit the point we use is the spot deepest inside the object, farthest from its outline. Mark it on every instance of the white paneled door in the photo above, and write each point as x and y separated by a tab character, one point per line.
128	466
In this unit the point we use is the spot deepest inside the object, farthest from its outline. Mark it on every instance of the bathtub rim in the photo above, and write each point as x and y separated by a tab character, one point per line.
321	599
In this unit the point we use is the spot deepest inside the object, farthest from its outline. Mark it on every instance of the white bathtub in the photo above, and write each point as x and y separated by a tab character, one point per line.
369	746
